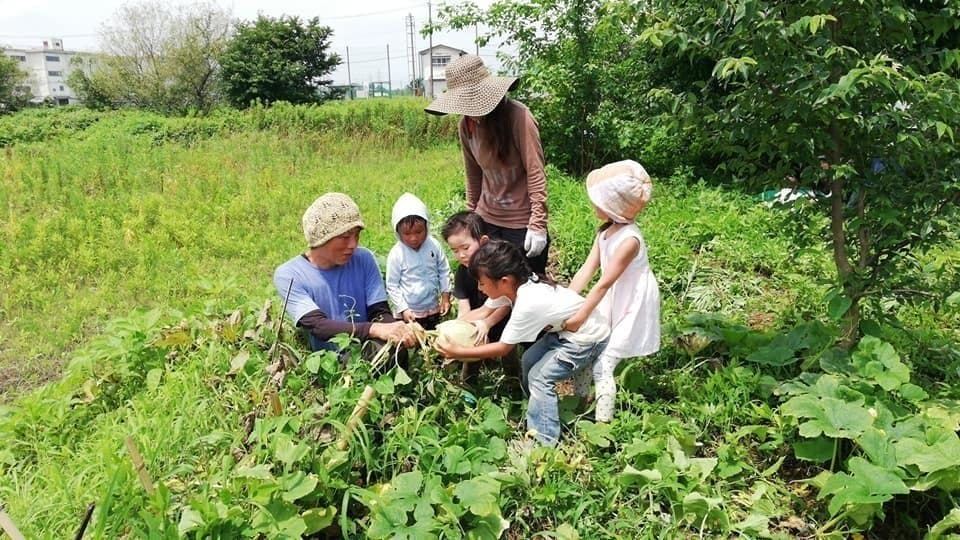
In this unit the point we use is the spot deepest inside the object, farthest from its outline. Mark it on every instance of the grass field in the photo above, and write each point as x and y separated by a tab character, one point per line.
135	270
96	226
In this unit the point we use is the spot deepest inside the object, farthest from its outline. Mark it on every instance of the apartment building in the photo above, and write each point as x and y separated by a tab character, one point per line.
49	66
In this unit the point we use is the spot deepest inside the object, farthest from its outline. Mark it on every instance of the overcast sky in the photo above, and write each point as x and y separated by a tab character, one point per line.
365	26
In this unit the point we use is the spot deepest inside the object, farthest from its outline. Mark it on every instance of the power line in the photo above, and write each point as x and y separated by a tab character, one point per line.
381	59
391	10
378	47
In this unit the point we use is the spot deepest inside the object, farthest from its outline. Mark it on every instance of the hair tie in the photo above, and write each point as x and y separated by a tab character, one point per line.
535	278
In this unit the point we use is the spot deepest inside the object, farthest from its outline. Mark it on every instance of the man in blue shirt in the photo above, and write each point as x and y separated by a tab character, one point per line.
336	286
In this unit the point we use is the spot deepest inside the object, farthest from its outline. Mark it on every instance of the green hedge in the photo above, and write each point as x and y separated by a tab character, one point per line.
399	120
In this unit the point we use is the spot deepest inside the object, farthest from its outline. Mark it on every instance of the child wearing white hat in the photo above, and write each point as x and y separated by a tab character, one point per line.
418	274
627	292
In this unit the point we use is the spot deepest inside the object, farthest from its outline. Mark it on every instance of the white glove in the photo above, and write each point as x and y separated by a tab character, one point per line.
534	242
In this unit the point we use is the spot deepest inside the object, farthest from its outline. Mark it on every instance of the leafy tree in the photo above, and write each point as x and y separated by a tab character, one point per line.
278	60
584	74
158	57
14	94
201	39
860	99
88	86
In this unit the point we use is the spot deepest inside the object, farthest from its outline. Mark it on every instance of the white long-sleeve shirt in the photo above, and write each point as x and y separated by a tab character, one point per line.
416	278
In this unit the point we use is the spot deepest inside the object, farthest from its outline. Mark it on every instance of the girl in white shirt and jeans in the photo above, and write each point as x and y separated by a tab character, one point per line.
502	271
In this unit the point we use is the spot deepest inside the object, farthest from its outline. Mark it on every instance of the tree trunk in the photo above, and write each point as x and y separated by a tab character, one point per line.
841	256
846	274
845	271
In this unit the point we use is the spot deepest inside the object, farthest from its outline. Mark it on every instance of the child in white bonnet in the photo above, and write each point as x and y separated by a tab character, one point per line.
418	274
627	292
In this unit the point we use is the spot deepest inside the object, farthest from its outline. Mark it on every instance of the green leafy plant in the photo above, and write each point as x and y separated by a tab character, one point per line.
886	433
854	99
241	434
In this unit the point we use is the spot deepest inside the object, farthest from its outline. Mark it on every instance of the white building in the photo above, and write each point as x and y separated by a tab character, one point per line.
49	68
442	55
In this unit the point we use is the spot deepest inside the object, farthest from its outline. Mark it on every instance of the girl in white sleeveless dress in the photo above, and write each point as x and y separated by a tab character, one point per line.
626	293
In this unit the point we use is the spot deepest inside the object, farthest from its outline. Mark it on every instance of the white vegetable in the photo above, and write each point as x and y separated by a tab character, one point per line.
458	332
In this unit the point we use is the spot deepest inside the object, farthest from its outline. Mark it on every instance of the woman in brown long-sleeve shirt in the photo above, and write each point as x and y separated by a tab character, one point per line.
502	154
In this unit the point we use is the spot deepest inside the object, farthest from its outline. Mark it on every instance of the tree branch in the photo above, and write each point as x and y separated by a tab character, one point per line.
947	202
873	292
899	246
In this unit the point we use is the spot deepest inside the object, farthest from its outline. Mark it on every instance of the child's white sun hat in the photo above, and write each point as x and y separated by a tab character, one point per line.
621	190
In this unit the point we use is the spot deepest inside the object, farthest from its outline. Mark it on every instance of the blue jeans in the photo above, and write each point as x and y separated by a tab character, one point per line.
550	360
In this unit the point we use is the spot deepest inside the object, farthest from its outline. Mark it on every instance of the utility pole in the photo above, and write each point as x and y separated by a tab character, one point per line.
430	22
349	81
412	52
389	77
476	38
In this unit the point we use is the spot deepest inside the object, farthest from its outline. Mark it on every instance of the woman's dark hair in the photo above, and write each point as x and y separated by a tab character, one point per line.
499	258
468	221
500	129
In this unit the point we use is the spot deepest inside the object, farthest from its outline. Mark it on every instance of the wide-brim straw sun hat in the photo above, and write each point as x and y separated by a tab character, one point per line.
471	89
621	190
331	215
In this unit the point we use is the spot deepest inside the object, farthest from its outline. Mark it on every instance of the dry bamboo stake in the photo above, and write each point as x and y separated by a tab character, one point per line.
138	464
356	416
8	527
283	311
86	521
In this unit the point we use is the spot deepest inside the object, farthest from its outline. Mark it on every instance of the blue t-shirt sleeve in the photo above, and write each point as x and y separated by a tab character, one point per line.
374	288
299	302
